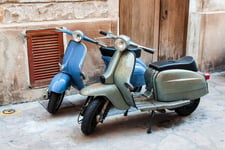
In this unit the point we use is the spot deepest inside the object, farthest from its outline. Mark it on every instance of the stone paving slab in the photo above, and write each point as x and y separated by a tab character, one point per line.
31	127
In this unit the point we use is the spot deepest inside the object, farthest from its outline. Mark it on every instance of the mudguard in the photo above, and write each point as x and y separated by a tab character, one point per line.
108	90
60	83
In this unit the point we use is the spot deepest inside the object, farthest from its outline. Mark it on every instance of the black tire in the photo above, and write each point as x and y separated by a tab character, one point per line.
188	109
55	101
137	89
89	121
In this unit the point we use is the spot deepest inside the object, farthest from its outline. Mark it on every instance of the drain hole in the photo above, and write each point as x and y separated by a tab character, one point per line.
8	111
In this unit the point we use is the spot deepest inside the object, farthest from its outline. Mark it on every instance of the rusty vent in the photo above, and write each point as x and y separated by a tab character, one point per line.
45	51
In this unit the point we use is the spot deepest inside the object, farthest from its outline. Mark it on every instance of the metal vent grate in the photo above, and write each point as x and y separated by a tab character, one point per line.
45	51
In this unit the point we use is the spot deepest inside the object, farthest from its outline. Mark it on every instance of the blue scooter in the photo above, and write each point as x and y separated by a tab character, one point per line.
70	73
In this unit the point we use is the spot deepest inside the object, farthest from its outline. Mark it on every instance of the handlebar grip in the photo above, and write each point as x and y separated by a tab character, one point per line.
103	33
149	50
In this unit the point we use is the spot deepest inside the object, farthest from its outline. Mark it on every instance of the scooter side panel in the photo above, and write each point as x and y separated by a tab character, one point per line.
73	61
109	73
139	61
108	90
177	84
137	78
106	60
60	83
123	74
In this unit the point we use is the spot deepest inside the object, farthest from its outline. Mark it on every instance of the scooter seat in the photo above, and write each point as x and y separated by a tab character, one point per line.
109	51
187	63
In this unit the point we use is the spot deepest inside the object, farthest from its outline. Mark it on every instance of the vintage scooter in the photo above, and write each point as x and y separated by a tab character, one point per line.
71	75
170	85
70	70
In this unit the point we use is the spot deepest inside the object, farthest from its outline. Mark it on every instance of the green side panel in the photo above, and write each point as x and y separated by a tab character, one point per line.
178	84
108	90
109	73
123	74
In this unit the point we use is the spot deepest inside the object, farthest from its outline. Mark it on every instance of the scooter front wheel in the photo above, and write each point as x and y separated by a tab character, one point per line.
91	116
188	109
55	100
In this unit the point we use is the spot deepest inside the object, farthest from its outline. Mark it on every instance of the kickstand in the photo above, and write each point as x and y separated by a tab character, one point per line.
125	113
151	122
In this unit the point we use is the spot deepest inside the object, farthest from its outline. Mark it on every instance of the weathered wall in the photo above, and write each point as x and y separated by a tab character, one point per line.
36	12
16	18
206	34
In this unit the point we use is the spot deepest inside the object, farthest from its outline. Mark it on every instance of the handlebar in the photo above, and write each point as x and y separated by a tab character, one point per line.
64	31
84	37
107	35
112	36
149	50
103	33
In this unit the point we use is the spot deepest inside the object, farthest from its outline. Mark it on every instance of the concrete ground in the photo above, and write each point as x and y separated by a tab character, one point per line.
31	127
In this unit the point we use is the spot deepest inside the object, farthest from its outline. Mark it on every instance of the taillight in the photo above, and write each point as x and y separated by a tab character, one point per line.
207	75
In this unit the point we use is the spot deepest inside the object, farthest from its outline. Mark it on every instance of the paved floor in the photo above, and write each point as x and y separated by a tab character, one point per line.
31	127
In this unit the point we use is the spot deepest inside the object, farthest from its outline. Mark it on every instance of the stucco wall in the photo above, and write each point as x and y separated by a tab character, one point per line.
36	12
206	34
17	18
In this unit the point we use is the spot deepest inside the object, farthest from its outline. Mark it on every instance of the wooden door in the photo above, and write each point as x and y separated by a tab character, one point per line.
173	29
137	20
160	24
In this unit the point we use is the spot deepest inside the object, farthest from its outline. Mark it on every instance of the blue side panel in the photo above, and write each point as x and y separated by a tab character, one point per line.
137	78
73	61
139	61
106	60
60	83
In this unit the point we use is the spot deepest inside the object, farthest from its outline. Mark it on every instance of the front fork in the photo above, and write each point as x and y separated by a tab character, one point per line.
102	114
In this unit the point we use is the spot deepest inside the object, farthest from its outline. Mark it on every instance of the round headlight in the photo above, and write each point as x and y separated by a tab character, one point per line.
121	44
78	35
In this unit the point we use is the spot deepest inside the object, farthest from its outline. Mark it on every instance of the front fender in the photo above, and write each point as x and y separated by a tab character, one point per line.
60	83
108	90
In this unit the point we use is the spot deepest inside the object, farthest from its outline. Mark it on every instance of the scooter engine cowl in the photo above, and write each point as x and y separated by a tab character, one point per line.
179	84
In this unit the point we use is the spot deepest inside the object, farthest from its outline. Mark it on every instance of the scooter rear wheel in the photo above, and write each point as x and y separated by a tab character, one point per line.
91	113
188	109
55	101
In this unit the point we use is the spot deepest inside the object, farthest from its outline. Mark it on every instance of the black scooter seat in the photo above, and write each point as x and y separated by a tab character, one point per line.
187	63
109	51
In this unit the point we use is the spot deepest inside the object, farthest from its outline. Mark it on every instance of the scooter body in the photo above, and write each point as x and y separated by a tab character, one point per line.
113	81
174	85
70	73
137	78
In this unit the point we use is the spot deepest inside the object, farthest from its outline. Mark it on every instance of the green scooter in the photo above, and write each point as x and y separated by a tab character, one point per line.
170	85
